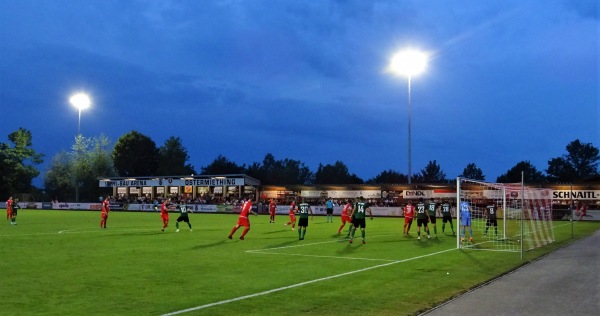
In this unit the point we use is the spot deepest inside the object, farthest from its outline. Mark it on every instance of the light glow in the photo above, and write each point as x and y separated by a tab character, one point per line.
81	101
409	63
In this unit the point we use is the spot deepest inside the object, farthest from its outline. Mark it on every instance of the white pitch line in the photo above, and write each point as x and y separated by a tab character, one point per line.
316	256
300	284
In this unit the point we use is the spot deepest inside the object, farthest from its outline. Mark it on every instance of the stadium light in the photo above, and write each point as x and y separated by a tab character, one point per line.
81	101
408	63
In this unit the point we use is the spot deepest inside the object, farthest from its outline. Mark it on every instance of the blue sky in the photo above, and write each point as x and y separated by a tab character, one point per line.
507	81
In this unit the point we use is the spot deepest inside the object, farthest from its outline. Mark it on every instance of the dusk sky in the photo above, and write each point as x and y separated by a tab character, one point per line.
507	81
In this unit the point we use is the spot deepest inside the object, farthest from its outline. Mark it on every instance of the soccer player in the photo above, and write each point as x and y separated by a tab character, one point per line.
447	216
582	211
292	215
346	217
422	219
329	210
243	219
272	209
104	212
183	216
465	220
409	213
13	213
491	219
358	218
431	213
164	213
304	209
9	204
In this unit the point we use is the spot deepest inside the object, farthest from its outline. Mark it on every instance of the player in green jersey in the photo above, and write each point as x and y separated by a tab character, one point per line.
491	217
432	208
422	219
15	209
183	215
358	218
447	216
303	210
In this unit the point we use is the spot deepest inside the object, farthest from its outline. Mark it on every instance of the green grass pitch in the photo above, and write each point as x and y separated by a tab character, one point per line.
62	263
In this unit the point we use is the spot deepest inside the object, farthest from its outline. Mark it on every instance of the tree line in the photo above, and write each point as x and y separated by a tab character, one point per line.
74	173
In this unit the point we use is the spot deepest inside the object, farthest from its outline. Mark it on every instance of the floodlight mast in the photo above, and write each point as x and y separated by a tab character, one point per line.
81	101
409	63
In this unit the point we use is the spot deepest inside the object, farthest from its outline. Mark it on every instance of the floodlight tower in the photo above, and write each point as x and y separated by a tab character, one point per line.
409	63
81	101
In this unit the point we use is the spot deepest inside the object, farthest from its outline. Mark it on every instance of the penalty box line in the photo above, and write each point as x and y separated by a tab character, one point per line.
187	310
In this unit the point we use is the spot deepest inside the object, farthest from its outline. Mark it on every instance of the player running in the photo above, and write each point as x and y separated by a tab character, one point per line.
183	216
292	215
13	213
346	217
243	219
164	213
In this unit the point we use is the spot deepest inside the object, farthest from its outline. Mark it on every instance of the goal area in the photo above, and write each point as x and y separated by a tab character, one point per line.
503	217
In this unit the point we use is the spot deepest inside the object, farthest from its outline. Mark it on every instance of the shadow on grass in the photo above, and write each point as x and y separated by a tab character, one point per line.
214	244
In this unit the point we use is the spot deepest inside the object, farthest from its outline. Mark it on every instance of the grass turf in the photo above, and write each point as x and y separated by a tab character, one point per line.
62	263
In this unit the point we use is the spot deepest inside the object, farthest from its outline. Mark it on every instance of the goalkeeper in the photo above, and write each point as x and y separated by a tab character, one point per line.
465	220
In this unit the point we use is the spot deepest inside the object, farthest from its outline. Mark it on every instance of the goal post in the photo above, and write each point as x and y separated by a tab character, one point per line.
504	217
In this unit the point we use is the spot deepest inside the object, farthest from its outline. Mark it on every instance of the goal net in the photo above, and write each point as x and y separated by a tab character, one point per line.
504	217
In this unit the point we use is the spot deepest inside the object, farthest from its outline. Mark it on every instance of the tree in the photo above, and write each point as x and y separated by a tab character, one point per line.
389	177
135	155
222	165
335	174
431	174
280	172
17	168
172	159
471	171
78	171
530	173
580	161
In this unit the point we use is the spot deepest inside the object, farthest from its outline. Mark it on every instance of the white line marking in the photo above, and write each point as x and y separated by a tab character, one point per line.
301	284
316	256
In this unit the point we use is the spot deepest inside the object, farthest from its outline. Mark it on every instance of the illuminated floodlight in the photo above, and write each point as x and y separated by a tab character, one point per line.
81	101
408	63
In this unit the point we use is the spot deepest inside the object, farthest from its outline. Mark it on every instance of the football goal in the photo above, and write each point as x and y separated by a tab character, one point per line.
503	217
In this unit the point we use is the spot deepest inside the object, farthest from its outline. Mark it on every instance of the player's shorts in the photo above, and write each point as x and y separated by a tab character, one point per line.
408	220
165	217
422	222
432	219
329	211
292	218
243	221
491	222
359	222
14	212
346	219
103	215
465	221
272	213
183	219
447	219
303	222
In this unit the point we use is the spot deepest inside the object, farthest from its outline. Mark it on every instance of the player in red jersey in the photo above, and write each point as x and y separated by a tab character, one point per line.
292	215
243	219
164	213
409	213
272	209
346	211
104	212
9	205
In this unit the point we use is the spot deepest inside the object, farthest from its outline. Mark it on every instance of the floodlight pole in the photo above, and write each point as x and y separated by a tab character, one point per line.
409	175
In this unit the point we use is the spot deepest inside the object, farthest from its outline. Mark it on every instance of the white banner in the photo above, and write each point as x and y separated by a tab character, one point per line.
173	182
